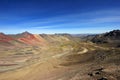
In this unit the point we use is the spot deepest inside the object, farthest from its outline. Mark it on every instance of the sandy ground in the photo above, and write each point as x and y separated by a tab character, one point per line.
47	66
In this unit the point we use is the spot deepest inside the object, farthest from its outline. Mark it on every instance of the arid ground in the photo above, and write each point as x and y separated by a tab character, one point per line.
56	57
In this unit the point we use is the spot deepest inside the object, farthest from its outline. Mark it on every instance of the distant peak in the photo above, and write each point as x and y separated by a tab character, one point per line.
26	33
114	33
2	33
108	37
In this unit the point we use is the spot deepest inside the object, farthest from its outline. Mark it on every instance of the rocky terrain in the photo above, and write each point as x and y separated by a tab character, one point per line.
28	56
112	37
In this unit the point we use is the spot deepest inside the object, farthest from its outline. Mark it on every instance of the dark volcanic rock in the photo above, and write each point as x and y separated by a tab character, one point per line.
109	37
102	78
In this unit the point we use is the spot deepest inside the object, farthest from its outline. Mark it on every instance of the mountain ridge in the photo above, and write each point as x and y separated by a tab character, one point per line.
27	38
109	37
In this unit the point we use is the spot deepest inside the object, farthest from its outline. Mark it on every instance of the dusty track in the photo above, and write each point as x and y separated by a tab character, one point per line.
85	50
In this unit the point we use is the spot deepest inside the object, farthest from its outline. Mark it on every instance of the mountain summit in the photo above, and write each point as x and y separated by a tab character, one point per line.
109	37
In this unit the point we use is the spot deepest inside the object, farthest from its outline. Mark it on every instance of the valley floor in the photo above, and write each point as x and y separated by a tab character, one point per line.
83	61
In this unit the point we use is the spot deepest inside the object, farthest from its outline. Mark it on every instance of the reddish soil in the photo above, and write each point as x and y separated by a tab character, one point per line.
5	38
29	39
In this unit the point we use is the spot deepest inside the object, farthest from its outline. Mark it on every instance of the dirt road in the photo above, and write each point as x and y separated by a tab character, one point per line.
85	50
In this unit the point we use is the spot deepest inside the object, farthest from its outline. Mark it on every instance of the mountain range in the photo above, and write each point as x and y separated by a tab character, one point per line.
112	38
30	56
29	39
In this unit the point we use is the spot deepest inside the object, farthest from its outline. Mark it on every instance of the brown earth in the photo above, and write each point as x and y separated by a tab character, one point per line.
59	57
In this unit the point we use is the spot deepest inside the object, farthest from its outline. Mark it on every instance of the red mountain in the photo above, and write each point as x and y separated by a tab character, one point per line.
5	38
29	38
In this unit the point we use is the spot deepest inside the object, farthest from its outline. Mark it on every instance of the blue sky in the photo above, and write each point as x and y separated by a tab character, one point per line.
59	16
